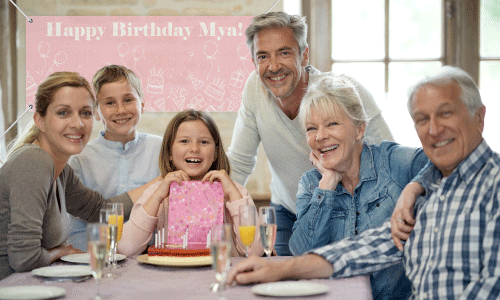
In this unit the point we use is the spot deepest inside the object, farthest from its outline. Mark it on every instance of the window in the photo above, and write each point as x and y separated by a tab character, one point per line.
388	44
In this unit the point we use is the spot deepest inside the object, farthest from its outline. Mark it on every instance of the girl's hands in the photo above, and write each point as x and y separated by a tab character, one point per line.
230	190
152	205
164	189
329	178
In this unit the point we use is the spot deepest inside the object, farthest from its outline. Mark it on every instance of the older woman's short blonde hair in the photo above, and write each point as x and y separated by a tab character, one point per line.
332	95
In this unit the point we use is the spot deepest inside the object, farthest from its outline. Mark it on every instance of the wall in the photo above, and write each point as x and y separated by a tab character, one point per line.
155	123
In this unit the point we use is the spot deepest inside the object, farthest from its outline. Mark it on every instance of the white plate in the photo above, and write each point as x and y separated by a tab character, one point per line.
178	261
31	292
63	271
83	258
290	289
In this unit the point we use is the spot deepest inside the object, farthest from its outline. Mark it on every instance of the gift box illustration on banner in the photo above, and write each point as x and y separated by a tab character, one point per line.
194	208
237	78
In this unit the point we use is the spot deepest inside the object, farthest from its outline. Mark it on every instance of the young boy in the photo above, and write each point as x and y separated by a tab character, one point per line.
120	158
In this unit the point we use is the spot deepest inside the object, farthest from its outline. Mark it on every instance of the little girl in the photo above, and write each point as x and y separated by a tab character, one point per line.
191	150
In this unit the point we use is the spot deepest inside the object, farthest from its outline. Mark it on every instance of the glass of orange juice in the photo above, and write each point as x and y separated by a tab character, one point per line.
246	228
115	220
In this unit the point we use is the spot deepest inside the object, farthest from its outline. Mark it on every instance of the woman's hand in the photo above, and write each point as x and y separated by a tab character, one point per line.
329	178
402	220
230	190
63	250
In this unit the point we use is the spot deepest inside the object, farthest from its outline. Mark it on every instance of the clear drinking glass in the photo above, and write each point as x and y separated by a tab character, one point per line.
247	225
220	249
97	238
268	228
104	214
115	219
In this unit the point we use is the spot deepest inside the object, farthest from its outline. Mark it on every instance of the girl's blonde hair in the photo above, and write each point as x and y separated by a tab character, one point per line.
166	165
44	96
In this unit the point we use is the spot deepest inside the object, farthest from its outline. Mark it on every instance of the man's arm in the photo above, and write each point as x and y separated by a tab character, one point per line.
256	269
371	251
242	152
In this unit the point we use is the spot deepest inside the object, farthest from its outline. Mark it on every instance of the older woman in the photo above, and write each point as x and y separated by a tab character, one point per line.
37	186
354	186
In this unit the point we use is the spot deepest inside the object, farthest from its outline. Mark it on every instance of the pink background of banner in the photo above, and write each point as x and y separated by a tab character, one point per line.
204	67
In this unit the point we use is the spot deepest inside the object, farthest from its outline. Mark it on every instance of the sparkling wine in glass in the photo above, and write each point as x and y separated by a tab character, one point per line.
115	219
97	238
268	228
247	225
220	250
104	214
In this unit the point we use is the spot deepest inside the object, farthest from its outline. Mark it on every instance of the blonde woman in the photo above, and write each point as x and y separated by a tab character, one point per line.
38	187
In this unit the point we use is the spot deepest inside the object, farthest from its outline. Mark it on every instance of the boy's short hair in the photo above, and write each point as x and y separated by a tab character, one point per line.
114	73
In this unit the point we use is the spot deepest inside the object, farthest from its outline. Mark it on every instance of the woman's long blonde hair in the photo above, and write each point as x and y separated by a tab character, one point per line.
44	96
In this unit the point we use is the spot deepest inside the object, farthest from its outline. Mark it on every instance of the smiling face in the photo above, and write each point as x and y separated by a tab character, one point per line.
193	149
120	109
334	140
279	63
66	127
447	131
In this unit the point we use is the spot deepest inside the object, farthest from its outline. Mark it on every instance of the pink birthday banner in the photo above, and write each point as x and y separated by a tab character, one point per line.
183	62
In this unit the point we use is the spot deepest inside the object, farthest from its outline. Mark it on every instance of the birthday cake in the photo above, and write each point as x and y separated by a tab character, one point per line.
166	252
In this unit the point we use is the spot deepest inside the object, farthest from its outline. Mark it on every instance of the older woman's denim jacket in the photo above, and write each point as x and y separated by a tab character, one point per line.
327	216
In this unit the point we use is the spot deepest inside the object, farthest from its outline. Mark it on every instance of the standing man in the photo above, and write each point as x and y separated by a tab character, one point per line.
269	110
453	251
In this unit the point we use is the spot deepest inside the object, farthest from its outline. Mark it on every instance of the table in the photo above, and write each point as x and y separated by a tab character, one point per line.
143	281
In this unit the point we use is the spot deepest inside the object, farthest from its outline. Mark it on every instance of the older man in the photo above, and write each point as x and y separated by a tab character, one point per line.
269	108
453	251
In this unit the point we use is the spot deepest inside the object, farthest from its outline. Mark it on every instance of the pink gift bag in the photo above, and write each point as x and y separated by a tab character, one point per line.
194	208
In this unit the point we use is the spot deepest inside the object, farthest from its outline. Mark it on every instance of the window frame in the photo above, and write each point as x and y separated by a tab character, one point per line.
460	44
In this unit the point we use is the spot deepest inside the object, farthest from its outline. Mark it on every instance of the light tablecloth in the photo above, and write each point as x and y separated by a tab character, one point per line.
139	281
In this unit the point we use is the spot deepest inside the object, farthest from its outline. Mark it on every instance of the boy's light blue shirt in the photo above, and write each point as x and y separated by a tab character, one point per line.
112	169
327	216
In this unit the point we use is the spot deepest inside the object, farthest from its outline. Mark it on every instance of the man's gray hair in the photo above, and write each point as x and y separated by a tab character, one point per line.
469	92
278	20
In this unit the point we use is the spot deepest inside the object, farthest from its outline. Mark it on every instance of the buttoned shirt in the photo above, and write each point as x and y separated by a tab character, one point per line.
112	168
453	251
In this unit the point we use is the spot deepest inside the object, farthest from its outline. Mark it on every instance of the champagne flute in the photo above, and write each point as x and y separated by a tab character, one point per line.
97	238
247	225
268	227
104	214
220	249
116	218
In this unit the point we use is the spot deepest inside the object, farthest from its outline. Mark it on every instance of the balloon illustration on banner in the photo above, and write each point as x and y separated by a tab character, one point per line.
243	53
210	49
43	49
59	59
122	51
138	53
